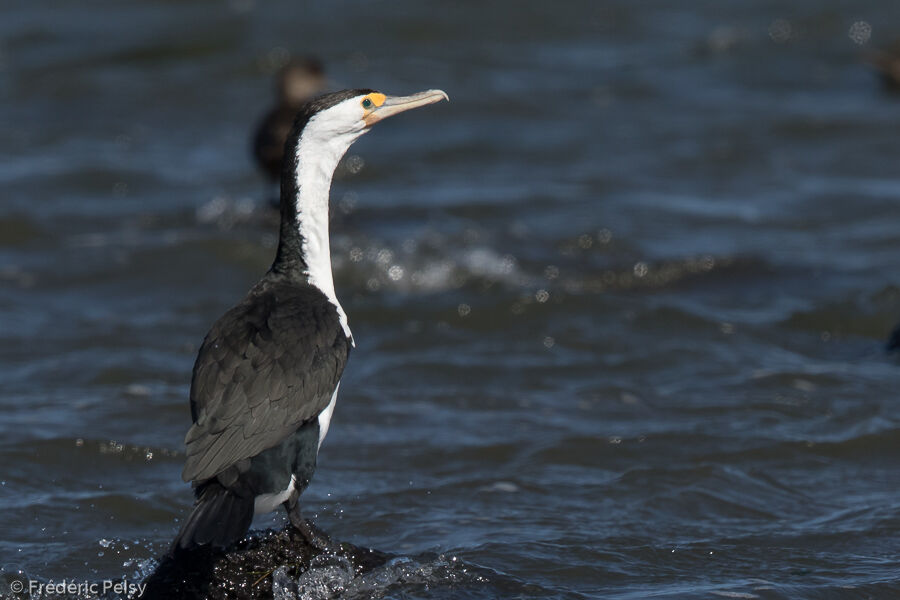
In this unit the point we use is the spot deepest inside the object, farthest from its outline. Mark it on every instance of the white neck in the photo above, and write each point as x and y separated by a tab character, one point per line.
317	158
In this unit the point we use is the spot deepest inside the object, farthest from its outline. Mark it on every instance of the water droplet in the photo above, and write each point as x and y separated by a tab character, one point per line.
355	163
780	31
384	257
463	310
542	296
860	32
604	236
395	273
348	201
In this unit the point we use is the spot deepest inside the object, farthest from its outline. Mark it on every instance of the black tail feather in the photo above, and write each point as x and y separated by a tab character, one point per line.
219	519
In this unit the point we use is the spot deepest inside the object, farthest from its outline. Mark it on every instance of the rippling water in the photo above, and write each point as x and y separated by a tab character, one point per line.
620	306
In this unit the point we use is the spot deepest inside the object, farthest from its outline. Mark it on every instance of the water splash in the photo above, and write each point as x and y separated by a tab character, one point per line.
333	576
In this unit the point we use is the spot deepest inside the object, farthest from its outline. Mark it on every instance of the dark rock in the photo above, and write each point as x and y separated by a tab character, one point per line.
245	570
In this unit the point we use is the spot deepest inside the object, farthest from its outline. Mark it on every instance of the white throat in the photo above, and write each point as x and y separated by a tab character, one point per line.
318	152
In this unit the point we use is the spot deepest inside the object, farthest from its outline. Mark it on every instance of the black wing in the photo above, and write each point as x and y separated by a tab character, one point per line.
267	366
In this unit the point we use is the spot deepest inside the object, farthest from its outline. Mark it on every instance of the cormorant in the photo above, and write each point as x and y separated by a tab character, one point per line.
266	377
298	81
893	343
887	62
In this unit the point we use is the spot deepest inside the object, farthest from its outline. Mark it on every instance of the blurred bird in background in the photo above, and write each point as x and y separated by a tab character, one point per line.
887	62
298	81
893	343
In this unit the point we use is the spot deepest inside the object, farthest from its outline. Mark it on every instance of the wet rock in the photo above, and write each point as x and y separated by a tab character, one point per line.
279	564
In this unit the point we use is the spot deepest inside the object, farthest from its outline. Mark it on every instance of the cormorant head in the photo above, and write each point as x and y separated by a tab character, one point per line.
324	129
339	118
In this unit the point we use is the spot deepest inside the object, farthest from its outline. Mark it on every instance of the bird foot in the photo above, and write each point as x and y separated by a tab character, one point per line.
314	536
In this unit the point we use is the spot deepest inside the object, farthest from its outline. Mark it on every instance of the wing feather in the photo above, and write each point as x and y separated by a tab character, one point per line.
267	366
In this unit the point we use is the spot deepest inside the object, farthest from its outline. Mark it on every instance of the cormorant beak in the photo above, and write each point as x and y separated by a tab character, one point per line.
393	105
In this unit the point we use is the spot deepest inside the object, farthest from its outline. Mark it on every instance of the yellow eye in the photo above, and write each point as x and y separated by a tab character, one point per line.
367	103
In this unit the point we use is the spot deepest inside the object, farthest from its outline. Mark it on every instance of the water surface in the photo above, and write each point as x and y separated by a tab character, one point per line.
619	306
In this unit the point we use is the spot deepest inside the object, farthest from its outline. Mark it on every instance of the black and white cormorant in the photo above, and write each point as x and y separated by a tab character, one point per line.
297	82
266	378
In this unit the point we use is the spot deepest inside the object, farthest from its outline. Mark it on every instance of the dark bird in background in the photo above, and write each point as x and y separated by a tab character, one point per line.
887	62
266	377
298	81
893	343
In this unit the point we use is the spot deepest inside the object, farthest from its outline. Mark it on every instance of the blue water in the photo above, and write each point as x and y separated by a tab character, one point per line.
620	306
